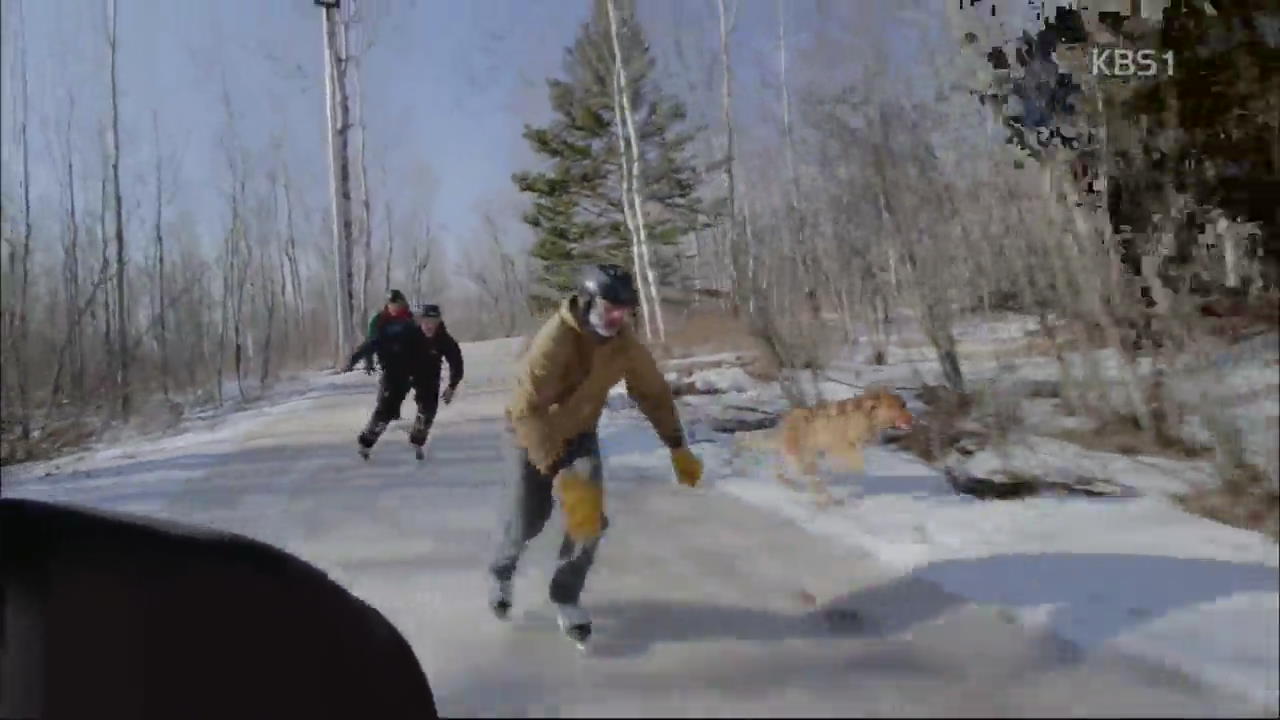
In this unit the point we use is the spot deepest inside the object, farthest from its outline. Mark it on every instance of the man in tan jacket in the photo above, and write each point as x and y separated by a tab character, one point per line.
563	383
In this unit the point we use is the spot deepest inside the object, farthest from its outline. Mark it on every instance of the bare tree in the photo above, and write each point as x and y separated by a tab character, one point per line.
71	270
739	256
796	225
241	265
422	253
122	315
160	273
77	315
291	254
268	292
391	243
117	338
502	283
366	229
108	344
280	281
229	245
24	403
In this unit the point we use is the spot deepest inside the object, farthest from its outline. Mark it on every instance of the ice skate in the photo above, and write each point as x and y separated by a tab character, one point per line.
500	598
575	623
418	436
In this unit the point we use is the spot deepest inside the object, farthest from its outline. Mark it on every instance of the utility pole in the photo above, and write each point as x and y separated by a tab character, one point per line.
339	171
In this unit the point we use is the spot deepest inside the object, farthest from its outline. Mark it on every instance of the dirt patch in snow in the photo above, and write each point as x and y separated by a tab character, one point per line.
1015	486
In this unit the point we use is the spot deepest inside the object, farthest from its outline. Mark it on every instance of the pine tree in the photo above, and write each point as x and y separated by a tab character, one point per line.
577	201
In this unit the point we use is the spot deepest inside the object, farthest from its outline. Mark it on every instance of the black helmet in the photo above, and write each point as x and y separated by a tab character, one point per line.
395	296
428	310
610	282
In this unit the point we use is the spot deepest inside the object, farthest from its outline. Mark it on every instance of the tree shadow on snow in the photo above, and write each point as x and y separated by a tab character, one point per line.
914	485
1096	597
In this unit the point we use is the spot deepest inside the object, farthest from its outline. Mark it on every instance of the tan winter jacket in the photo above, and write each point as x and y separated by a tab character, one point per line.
564	382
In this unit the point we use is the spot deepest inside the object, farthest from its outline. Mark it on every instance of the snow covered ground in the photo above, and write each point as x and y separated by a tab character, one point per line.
1136	573
740	596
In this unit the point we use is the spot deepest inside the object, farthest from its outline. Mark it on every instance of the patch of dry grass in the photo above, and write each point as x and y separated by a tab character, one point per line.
709	329
1245	498
49	441
1123	436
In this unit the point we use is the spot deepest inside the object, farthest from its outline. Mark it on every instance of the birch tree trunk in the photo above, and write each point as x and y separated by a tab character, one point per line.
624	168
636	176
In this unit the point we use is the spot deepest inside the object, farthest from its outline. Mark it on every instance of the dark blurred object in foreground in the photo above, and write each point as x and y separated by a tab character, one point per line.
111	616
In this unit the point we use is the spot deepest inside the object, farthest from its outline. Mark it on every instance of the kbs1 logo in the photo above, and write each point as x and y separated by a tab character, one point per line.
1122	62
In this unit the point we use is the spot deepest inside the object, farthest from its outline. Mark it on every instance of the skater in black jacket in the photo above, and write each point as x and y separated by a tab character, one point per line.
426	374
409	351
400	347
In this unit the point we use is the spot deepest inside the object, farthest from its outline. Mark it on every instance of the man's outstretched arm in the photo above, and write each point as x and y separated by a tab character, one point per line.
647	386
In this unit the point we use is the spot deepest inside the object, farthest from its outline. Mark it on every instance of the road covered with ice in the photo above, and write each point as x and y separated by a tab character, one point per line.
706	602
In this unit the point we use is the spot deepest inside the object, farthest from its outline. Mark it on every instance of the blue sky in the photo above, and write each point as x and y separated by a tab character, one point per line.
447	86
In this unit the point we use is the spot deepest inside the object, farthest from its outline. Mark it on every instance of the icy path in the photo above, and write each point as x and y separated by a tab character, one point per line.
704	604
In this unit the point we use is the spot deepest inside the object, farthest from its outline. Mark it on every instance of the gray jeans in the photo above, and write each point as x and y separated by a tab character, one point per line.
526	508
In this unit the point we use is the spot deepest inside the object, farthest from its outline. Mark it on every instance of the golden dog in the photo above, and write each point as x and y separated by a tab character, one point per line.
836	431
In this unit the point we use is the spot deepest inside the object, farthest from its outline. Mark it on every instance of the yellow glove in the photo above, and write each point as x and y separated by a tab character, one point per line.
582	501
687	466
